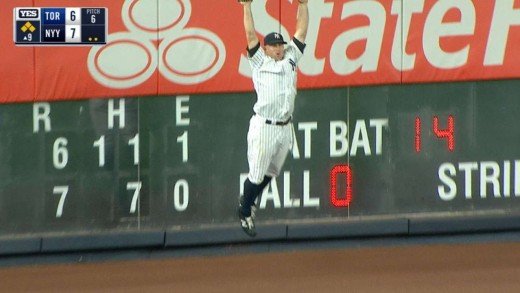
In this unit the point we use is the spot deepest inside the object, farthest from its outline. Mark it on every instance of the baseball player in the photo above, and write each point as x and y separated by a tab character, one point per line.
269	137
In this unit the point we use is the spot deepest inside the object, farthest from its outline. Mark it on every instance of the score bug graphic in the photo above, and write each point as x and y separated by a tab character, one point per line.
60	26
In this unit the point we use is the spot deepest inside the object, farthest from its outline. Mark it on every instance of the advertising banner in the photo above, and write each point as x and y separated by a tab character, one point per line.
164	47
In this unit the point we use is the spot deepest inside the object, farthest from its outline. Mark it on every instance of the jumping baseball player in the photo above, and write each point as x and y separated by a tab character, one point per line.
270	129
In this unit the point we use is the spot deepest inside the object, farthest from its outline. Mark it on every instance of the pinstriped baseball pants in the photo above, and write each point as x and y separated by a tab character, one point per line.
267	148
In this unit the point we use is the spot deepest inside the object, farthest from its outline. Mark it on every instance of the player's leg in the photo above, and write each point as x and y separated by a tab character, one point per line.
278	148
282	150
245	210
253	191
261	146
259	152
265	182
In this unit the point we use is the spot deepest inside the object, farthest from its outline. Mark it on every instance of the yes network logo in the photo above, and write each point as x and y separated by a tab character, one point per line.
27	13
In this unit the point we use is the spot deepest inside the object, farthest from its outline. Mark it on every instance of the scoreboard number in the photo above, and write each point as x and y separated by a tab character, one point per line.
62	192
34	26
60	154
447	133
100	144
181	195
136	187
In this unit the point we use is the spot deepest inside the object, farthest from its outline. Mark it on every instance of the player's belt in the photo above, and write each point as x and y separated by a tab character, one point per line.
268	121
274	122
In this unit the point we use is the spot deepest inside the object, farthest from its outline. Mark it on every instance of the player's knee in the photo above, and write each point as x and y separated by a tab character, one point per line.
256	180
272	173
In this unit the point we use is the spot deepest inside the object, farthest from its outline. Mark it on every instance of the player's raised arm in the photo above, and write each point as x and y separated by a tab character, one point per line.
249	25
302	21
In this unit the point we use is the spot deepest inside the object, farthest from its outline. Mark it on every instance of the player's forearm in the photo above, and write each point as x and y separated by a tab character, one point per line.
249	26
302	21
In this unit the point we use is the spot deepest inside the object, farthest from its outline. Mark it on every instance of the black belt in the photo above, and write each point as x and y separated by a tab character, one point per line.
267	121
279	123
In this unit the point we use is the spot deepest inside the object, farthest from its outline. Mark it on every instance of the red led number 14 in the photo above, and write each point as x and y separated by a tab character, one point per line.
447	133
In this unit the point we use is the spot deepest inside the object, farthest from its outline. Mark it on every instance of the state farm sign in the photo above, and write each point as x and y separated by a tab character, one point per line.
413	41
161	47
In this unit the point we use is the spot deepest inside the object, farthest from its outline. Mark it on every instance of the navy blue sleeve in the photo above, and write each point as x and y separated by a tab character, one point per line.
299	44
253	50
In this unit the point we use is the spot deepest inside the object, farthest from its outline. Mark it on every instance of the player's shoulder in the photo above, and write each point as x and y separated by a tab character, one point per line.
298	44
256	57
251	52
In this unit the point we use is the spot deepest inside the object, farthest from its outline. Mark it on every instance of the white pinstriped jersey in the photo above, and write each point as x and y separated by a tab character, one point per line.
275	85
275	82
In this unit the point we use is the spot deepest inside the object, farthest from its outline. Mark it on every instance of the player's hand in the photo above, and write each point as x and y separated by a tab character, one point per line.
243	2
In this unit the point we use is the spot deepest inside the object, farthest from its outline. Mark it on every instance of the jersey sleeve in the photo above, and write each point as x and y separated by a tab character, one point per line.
256	56
295	49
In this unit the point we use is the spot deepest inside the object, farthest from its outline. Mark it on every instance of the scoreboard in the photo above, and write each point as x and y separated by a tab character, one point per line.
180	161
60	26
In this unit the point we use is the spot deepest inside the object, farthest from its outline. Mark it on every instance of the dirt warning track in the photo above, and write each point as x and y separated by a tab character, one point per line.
491	267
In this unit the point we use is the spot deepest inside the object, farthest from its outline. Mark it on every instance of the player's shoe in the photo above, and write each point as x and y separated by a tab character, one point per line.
253	207
247	224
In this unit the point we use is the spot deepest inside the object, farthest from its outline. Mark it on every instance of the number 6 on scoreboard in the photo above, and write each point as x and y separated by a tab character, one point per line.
62	190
